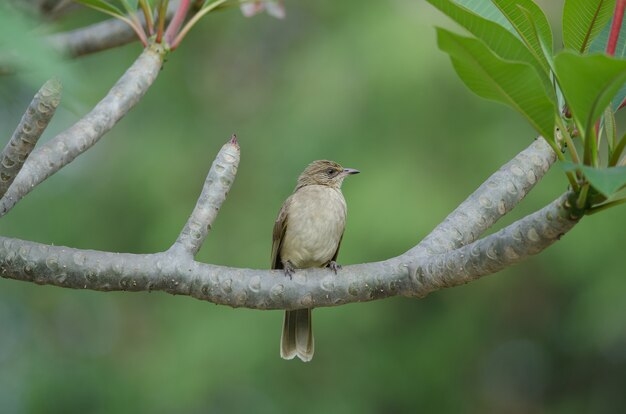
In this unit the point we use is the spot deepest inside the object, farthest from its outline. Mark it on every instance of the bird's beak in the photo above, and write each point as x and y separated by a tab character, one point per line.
350	171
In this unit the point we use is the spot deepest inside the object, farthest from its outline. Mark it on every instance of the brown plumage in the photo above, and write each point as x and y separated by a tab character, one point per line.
307	233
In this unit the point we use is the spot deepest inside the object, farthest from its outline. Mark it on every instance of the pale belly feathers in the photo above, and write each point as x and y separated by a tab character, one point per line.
315	224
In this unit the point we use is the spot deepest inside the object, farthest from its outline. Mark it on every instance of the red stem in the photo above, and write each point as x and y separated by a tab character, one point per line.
618	17
178	19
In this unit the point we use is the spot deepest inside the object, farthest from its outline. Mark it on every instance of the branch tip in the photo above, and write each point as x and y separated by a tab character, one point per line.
53	87
216	186
233	141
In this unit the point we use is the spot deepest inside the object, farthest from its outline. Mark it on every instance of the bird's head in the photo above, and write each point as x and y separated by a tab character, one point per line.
324	172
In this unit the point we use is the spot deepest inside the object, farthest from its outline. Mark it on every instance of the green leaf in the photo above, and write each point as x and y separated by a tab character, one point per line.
130	5
489	11
530	24
610	128
606	181
583	20
208	3
500	40
515	84
617	151
600	42
619	99
588	84
102	6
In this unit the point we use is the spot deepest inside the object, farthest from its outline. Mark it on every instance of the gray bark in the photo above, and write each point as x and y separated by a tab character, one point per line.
62	149
450	255
33	123
525	237
498	195
214	192
415	273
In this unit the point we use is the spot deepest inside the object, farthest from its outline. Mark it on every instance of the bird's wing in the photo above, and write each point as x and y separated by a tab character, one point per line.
280	225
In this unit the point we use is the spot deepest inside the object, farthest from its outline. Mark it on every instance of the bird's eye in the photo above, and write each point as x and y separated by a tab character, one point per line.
331	171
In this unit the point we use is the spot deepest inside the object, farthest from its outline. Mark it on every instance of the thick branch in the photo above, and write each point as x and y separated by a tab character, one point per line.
176	272
492	200
216	186
524	238
62	149
99	36
27	133
269	289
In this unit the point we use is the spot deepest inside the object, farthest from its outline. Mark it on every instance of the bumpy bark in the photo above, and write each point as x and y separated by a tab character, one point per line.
62	149
416	273
33	123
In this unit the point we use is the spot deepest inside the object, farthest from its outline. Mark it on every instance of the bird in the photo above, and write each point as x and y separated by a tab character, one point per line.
307	233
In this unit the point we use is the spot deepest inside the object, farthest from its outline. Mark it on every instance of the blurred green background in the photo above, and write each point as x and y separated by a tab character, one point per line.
361	83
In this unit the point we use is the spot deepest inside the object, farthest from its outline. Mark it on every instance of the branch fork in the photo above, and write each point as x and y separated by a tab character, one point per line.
449	256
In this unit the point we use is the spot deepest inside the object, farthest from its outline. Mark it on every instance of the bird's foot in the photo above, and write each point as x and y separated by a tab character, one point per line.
334	266
289	269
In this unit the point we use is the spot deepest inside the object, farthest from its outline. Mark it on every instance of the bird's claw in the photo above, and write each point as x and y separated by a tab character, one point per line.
334	266
289	269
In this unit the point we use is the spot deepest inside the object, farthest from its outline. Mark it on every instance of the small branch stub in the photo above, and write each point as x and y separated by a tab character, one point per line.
216	187
31	127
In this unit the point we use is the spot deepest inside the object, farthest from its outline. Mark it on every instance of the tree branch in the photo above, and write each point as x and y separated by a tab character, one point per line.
492	200
33	123
176	272
216	186
524	238
62	149
100	36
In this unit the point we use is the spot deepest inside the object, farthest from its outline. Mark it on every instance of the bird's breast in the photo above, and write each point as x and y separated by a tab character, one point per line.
315	224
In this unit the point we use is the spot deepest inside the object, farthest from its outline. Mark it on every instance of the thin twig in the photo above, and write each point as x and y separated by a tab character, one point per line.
99	36
177	21
616	25
605	206
163	6
147	14
194	20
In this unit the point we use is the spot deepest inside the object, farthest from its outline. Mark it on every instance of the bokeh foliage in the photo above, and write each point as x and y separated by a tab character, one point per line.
366	86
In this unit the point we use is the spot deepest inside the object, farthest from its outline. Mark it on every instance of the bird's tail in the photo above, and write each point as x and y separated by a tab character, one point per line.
297	337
